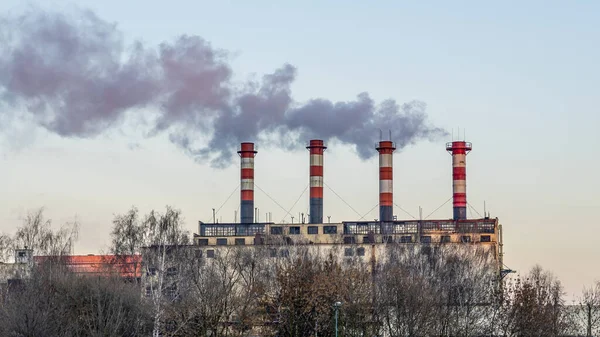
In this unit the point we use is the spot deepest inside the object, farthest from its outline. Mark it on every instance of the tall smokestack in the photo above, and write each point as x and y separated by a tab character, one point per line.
247	154
316	148
386	186
459	150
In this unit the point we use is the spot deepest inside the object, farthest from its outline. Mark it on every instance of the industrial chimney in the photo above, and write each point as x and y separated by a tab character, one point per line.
247	154
316	148
459	150
386	187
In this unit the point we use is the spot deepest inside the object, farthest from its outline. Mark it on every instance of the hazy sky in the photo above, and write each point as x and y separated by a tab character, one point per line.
523	80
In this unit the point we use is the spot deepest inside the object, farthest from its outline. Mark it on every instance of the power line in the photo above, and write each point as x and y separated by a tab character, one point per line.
438	208
229	197
342	199
405	211
473	208
273	200
362	217
288	212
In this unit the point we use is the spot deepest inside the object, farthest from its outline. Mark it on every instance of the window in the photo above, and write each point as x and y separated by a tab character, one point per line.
148	291
21	254
406	239
273	252
445	239
366	239
294	230
313	230
486	238
348	252
285	253
170	291
202	242
222	242
330	229
171	271
360	251
219	230
259	241
210	253
151	271
425	239
388	239
240	241
198	253
349	240
465	238
276	230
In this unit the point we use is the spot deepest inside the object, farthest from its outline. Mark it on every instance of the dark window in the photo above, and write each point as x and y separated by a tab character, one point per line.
425	239
198	253
259	240
360	251
222	242
349	240
294	230
465	238
170	291
273	252
202	242
276	230
330	229
486	238
388	239
406	239
366	239
313	230
445	239
210	253
285	253
171	271
151	271
21	254
148	291
240	241
348	252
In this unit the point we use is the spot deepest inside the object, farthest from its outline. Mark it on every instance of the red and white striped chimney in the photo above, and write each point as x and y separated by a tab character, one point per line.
386	186
459	150
247	154
316	148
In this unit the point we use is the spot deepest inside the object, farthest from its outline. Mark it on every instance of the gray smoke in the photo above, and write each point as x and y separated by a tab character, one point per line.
76	77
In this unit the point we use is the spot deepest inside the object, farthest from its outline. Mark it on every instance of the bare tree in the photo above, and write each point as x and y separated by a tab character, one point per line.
535	306
65	304
165	247
36	233
588	309
127	238
6	251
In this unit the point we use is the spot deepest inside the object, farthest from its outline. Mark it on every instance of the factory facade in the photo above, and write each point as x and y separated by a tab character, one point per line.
363	239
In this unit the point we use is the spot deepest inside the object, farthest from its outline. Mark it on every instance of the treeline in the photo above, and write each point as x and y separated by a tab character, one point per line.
241	291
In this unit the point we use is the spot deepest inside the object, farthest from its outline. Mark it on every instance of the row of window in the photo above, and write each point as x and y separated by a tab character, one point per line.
360	251
366	239
409	239
171	271
295	230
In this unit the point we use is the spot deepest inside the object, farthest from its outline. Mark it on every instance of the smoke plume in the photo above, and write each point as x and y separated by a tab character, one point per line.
75	76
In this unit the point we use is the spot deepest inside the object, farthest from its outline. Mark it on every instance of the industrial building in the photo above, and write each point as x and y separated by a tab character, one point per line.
365	239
